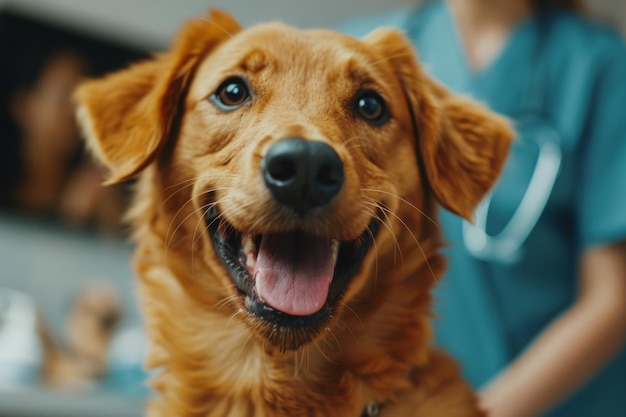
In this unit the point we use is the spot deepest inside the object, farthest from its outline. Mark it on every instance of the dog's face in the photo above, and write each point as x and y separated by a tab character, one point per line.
286	161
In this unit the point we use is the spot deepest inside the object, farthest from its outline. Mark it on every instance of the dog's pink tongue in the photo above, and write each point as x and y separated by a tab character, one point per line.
293	272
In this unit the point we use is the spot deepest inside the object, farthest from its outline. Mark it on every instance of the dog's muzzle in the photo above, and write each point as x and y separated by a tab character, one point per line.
293	280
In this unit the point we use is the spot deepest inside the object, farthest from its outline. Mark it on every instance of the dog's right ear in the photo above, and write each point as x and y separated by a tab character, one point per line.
128	116
462	146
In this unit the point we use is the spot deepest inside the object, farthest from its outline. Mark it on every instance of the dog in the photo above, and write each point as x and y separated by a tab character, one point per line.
285	217
79	359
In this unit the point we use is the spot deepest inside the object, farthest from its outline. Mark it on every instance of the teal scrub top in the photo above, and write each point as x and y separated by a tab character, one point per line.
569	75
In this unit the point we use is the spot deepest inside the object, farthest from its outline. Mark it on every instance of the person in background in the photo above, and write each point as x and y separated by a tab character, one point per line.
44	171
53	177
534	300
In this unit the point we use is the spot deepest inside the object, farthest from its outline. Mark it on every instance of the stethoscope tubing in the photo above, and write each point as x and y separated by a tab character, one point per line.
506	246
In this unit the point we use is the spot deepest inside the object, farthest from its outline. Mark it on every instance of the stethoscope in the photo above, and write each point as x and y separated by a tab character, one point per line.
534	129
506	246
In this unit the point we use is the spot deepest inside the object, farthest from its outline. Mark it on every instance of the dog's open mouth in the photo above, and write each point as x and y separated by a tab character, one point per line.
289	279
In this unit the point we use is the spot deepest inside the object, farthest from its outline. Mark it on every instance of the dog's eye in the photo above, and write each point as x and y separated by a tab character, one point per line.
231	94
371	107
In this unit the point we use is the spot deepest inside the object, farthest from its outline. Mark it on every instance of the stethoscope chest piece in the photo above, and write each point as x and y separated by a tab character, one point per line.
505	218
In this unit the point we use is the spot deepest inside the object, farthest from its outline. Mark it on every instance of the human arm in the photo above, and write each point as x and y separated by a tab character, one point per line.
574	347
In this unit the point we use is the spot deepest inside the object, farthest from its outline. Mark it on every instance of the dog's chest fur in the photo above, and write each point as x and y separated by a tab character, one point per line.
225	371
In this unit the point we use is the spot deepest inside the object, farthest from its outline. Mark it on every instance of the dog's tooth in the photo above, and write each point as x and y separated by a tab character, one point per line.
258	291
247	243
249	250
334	248
250	262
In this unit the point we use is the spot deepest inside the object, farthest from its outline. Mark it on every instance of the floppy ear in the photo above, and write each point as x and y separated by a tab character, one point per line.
128	116
461	144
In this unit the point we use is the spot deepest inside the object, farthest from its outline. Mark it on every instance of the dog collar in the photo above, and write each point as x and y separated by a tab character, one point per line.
372	409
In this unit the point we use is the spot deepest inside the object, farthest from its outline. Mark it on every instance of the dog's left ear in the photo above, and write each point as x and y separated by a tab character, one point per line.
128	116
463	145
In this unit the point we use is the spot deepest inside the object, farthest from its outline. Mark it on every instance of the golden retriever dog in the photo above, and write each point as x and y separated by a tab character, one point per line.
285	217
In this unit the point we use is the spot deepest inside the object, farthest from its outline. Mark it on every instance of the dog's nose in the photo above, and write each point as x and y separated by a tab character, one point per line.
302	174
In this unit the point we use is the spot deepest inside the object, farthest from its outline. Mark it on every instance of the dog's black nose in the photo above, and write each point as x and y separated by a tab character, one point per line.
302	174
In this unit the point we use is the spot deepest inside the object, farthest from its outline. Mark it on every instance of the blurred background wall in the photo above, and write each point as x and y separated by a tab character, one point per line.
151	23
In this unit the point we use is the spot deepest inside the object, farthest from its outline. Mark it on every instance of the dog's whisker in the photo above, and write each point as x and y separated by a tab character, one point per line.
201	221
295	370
391	58
352	143
299	363
356	316
197	236
233	315
220	216
169	237
387	225
375	248
243	346
217	25
307	355
429	218
179	189
182	184
195	240
224	302
321	351
416	240
296	366
337	343
397	247
308	359
191	182
205	209
213	190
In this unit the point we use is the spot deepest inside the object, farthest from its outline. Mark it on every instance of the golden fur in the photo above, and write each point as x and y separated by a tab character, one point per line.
216	359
